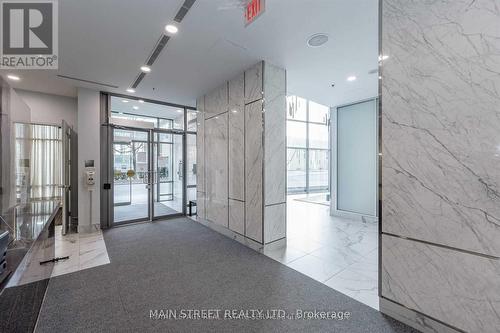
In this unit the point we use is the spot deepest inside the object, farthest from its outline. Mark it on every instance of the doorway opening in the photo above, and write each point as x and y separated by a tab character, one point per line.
332	230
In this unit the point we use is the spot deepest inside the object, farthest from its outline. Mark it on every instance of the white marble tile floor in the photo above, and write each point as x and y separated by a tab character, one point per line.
84	251
341	253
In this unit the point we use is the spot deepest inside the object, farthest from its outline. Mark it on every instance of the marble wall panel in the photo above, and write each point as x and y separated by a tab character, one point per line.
441	122
237	138
253	171
237	216
275	134
274	222
200	205
253	83
216	159
216	102
457	288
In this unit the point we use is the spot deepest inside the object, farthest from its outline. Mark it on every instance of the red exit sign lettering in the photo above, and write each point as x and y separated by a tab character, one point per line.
254	9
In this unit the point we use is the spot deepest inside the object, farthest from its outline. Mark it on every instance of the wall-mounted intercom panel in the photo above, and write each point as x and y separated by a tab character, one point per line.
89	175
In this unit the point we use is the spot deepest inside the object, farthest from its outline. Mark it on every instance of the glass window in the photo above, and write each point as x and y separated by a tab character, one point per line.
296	134
179	119
308	145
192	120
296	166
165	123
38	153
318	113
296	108
318	136
318	169
129	136
119	115
161	116
164	137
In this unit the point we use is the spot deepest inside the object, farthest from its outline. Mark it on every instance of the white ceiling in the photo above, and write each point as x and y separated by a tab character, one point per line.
107	41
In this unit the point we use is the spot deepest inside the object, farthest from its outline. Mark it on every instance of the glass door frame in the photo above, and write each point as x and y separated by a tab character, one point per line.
112	171
182	135
107	192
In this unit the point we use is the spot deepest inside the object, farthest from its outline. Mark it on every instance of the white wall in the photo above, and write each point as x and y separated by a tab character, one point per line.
50	109
88	149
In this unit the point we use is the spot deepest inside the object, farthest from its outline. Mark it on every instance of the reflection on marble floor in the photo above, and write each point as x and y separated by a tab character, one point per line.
341	253
84	251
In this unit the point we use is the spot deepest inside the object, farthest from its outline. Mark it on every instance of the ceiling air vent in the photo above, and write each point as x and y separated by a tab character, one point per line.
162	42
88	81
186	6
138	80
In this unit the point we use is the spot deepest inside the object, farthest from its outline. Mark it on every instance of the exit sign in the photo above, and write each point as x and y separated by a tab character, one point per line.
254	9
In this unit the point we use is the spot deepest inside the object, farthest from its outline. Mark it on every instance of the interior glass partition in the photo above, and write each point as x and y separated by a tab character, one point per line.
357	153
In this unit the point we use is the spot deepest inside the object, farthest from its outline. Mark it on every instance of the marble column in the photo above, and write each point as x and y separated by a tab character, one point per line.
244	126
440	146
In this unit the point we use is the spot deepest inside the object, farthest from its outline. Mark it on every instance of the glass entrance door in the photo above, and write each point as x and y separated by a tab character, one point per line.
148	175
168	174
131	175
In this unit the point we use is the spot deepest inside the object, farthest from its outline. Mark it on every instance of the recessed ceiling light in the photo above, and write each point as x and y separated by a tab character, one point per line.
317	40
234	111
124	101
130	90
351	78
383	57
180	111
13	77
141	101
171	28
146	69
135	107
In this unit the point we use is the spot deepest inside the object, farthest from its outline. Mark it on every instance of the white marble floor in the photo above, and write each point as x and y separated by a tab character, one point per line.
341	253
84	251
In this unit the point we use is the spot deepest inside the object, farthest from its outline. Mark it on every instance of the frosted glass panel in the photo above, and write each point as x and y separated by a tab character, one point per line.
357	158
